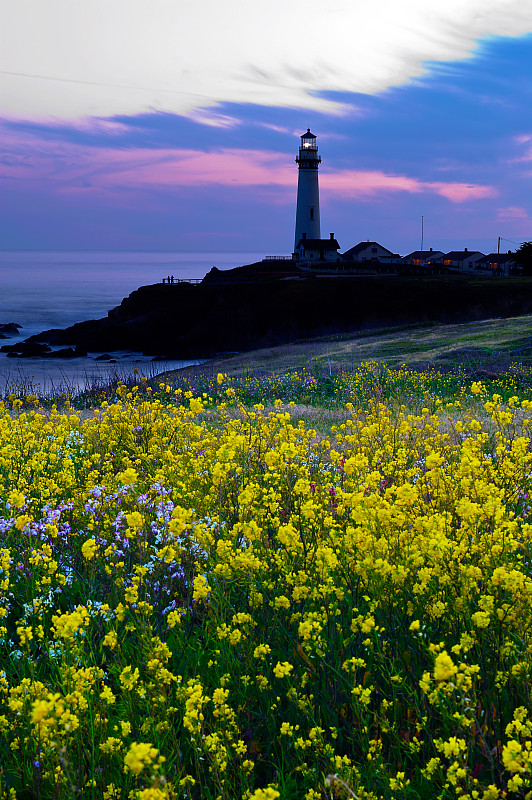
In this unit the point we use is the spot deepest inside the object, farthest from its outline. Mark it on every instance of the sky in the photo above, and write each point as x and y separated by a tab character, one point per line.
174	124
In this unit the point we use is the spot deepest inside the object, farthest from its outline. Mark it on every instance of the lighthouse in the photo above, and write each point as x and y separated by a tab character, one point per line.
308	193
310	250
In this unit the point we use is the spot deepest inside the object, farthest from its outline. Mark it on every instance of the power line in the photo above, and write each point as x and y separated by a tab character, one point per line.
96	83
503	239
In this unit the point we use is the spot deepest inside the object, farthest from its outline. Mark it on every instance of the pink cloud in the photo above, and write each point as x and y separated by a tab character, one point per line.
76	168
366	183
361	183
523	139
526	157
461	192
512	212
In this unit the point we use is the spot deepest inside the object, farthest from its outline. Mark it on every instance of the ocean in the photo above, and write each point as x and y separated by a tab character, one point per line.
42	289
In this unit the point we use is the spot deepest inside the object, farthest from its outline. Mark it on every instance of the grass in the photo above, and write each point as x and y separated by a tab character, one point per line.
488	345
484	349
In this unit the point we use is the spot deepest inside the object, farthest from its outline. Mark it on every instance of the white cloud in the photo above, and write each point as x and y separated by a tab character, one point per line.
105	57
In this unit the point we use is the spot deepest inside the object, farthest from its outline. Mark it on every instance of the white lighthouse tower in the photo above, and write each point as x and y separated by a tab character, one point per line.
310	250
308	193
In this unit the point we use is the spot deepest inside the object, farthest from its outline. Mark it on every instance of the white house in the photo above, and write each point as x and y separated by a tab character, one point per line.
317	249
370	251
461	259
497	263
421	258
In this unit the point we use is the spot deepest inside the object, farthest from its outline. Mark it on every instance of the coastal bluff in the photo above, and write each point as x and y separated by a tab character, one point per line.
263	305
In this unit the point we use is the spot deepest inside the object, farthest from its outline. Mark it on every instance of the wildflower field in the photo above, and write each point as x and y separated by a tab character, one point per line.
203	595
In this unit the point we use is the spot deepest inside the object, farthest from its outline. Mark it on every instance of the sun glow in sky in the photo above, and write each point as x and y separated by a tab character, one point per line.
173	124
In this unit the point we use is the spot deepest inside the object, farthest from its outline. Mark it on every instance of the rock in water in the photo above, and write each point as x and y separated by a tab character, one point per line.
27	349
9	329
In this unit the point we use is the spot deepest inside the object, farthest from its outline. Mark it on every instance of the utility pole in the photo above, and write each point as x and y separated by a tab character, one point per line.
422	237
499	256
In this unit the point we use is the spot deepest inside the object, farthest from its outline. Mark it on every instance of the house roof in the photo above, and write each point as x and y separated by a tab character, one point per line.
319	244
361	246
424	254
502	258
461	255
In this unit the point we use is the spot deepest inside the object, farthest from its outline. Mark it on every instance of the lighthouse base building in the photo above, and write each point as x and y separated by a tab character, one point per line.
316	250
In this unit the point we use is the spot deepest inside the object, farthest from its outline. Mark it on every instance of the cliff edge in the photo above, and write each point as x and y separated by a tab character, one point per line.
237	313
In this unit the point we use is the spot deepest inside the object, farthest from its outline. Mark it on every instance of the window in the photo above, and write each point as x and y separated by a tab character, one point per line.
312	213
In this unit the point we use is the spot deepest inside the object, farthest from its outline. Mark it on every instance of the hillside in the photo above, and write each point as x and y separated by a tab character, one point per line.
201	321
486	347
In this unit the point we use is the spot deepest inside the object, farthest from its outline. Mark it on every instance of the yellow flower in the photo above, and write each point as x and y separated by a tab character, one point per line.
481	619
196	406
235	636
89	549
261	651
111	745
265	794
128	476
40	711
110	639
219	696
282	670
107	695
201	588
16	499
135	520
129	677
153	793
67	625
454	747
512	756
173	618
286	729
25	633
139	756
444	667
433	460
